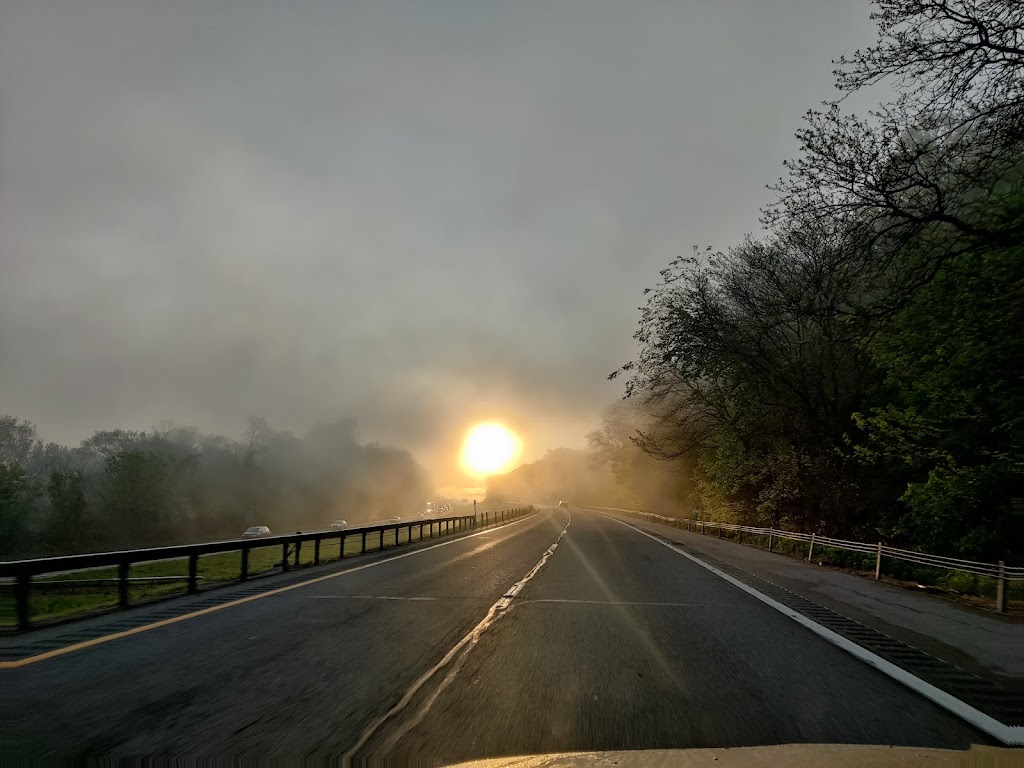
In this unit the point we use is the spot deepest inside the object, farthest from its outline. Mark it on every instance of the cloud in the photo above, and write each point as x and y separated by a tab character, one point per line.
408	213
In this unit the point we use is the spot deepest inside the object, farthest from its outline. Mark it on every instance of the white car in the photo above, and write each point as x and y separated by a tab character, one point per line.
394	519
339	525
255	532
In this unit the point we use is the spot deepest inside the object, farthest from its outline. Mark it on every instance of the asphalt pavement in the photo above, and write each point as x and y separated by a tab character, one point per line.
487	645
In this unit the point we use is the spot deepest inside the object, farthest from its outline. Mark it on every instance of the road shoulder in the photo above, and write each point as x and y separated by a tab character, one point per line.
1002	697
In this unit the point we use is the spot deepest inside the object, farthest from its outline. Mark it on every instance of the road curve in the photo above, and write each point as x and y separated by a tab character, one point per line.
496	644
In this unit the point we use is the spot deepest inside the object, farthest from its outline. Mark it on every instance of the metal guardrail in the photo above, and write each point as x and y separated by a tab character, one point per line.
1000	571
21	572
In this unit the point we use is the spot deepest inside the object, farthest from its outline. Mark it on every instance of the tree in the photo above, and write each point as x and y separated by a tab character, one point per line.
68	527
753	369
257	432
859	369
642	480
17	440
18	497
562	473
951	413
938	171
136	498
96	450
950	56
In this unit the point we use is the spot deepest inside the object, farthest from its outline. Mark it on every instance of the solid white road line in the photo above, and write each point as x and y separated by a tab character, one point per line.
459	652
1012	735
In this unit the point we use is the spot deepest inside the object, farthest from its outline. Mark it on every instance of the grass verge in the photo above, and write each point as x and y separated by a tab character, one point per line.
50	600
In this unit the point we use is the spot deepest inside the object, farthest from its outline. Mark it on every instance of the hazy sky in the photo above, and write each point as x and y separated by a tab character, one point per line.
417	214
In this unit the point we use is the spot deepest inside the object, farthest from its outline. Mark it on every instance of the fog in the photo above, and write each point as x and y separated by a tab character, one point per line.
612	471
174	484
413	215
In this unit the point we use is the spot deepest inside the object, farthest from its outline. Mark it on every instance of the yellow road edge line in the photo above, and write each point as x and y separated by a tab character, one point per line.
204	611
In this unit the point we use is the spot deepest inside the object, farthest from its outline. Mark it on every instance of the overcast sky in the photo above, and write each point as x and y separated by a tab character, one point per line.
418	214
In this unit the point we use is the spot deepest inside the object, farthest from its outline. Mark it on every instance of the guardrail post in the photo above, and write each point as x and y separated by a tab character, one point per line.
364	542
878	562
739	534
284	556
316	551
341	549
771	535
1001	589
381	539
193	567
122	583
702	526
810	551
298	548
421	532
245	562
22	586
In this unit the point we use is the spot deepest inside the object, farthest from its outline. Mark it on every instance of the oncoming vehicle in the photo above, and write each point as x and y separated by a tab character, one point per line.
394	519
338	525
563	505
255	532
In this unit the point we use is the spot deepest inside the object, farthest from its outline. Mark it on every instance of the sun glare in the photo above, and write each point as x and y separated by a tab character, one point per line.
489	449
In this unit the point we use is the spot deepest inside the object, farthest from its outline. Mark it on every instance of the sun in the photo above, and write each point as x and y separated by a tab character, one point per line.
489	449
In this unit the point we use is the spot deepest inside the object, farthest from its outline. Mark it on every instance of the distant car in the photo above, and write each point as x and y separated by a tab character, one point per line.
255	532
339	525
563	504
394	519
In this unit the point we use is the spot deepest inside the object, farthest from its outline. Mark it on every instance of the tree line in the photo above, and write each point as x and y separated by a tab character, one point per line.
859	370
173	484
613	471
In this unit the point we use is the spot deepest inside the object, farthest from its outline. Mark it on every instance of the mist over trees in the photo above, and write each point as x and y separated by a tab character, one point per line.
172	484
613	471
860	369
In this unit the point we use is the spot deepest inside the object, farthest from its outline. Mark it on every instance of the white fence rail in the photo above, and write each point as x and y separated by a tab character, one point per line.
999	571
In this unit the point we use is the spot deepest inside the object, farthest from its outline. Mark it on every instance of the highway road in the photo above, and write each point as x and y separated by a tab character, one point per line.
492	644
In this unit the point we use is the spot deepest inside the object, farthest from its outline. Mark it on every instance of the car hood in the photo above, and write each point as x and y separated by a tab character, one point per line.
782	756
